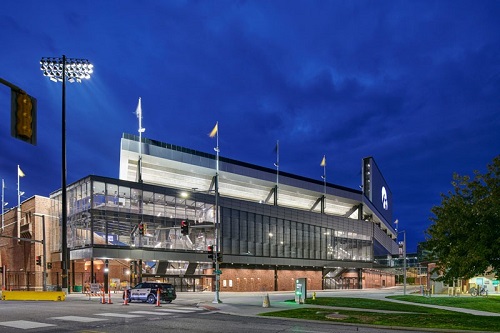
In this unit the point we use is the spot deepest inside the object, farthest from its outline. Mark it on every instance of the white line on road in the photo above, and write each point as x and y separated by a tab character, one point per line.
25	324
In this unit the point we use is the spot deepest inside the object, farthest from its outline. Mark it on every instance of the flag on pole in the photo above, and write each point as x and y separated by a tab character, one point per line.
323	161
277	151
20	172
138	110
138	113
215	130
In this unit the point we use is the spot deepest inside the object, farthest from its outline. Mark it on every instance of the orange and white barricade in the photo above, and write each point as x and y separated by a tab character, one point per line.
93	291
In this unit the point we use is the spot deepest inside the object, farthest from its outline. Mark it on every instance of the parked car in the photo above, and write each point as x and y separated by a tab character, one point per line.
147	292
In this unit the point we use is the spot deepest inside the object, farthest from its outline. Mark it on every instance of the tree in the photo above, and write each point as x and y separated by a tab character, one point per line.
464	239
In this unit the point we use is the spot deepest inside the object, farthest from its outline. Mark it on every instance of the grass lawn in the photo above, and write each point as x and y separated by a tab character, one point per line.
490	304
413	316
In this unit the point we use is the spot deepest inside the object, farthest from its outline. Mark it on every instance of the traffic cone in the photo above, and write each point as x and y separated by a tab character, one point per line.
158	297
103	299
125	298
109	297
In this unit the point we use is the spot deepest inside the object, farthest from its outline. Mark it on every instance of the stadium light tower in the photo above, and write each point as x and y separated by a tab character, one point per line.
62	69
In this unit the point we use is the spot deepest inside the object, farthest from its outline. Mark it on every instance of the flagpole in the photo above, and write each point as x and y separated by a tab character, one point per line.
3	202
138	112
217	238
277	165
323	164
18	203
324	178
323	201
277	162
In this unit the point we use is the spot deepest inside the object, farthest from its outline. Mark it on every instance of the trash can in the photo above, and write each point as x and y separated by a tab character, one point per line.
77	289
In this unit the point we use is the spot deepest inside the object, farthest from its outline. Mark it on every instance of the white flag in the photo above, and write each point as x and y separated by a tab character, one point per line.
20	172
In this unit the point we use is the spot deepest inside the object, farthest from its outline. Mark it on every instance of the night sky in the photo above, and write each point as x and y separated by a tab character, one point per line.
415	84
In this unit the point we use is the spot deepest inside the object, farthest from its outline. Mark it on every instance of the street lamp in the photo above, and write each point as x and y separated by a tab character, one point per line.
62	69
404	260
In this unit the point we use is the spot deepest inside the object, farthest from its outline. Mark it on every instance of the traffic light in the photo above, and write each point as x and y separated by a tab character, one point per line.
219	257
210	252
184	228
23	116
141	229
39	260
49	265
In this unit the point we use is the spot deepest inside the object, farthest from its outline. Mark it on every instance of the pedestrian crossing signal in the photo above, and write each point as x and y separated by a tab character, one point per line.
39	260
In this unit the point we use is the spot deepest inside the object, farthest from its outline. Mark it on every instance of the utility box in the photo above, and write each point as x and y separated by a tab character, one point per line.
300	290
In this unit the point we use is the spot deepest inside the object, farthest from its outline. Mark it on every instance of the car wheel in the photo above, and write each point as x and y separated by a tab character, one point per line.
168	302
151	299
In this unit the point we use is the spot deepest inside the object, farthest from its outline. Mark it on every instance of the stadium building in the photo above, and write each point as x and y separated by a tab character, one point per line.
273	227
161	220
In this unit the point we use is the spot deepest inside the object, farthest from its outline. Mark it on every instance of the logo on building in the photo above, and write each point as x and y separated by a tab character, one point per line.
385	202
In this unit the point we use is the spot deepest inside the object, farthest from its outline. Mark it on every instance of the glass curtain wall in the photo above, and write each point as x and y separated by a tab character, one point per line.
109	213
245	233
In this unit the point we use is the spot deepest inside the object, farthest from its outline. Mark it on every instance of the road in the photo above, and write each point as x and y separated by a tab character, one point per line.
191	312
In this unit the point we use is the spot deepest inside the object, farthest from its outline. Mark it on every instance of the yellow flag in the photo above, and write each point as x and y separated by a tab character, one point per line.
20	172
323	161
214	131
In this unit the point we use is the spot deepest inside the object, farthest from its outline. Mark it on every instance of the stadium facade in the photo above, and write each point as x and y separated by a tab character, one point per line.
272	227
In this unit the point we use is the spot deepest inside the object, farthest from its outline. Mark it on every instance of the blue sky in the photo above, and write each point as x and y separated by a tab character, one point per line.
415	84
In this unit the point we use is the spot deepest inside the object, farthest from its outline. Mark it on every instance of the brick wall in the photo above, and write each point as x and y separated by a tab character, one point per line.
263	279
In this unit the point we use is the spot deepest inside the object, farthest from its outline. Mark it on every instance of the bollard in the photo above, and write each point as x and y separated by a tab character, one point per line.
265	302
125	298
109	297
158	297
314	296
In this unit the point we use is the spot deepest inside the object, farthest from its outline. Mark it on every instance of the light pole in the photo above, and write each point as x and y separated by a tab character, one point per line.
3	203
62	69
404	260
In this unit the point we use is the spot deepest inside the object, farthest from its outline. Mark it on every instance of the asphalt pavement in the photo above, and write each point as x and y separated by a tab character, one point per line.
254	303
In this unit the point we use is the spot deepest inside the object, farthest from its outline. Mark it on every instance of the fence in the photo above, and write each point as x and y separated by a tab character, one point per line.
33	281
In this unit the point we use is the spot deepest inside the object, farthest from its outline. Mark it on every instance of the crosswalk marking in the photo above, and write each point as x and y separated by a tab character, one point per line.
151	313
78	319
175	310
25	324
119	315
188	308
